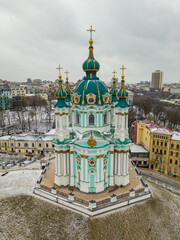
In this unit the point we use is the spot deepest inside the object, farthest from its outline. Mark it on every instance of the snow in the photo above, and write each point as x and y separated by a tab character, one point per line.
51	132
134	148
5	138
176	136
18	182
162	130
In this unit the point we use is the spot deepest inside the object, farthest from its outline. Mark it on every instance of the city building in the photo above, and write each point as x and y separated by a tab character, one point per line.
139	155
5	97
18	91
93	155
163	145
157	80
28	144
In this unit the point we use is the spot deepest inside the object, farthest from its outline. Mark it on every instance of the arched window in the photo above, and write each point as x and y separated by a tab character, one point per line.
77	118
105	118
91	119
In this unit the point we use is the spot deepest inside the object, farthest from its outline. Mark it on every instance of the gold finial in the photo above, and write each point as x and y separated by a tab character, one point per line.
66	73
114	73
122	68
91	30
59	68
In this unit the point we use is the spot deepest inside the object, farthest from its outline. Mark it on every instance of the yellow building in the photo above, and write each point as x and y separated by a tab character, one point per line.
163	145
18	91
28	144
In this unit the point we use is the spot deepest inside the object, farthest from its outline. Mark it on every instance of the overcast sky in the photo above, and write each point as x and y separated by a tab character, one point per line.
37	35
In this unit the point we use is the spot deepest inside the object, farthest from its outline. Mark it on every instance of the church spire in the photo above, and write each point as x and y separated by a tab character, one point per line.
122	93
114	90
67	88
91	65
60	93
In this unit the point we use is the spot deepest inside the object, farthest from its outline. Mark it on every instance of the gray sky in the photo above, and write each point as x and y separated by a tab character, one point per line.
37	35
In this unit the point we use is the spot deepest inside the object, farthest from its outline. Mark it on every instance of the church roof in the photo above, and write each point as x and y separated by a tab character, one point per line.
90	85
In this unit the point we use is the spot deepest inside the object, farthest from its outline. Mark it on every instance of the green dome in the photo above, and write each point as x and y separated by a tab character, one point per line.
91	64
114	90
122	93
60	95
91	88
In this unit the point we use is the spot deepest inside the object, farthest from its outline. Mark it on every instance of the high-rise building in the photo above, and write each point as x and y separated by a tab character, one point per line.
157	80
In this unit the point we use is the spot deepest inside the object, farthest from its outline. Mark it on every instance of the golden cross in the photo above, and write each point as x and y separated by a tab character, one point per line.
122	69
59	68
114	73
66	73
91	30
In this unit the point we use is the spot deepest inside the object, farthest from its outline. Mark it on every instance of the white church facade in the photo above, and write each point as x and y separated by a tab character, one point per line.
91	137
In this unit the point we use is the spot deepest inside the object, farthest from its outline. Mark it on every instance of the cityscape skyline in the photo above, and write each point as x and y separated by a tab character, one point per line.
34	42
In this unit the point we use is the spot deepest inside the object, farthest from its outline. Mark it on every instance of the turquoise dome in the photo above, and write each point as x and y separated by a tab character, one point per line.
90	87
61	95
122	93
91	64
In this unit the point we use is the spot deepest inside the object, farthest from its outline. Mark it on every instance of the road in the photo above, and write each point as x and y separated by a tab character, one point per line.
161	179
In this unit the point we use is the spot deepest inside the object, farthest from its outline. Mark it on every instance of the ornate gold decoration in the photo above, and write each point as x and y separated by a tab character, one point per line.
91	30
91	96
105	159
91	142
78	159
99	102
106	98
59	68
76	98
92	162
83	102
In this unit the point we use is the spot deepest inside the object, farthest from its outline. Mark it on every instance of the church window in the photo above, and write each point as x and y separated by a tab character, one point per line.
164	151
161	143
91	100
105	118
77	118
39	144
153	149
165	144
170	160
177	146
175	170
105	177
32	144
92	162
157	142
47	145
177	154
172	145
176	162
79	176
91	119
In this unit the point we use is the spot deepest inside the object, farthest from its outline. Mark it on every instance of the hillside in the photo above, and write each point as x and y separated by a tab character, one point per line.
27	217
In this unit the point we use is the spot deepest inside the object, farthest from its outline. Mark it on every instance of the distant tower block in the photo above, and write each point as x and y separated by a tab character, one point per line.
157	80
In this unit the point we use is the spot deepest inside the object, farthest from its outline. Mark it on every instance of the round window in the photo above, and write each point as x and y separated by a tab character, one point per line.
92	162
76	100
106	99
91	100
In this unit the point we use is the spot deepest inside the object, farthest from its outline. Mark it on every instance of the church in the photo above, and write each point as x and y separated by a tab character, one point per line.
91	137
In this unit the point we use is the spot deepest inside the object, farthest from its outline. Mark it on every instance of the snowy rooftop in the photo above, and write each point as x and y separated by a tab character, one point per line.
5	138
162	130
176	136
134	148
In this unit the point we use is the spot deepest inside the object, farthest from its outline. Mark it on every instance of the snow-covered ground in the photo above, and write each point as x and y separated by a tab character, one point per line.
18	182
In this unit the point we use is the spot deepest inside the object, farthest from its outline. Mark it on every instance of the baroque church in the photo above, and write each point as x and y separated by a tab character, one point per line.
91	137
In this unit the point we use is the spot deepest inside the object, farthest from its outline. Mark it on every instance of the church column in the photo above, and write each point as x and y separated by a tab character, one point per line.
86	169
122	163
59	163
56	164
102	168
112	169
64	160
72	118
82	168
97	167
97	119
115	120
85	119
81	119
71	169
119	163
